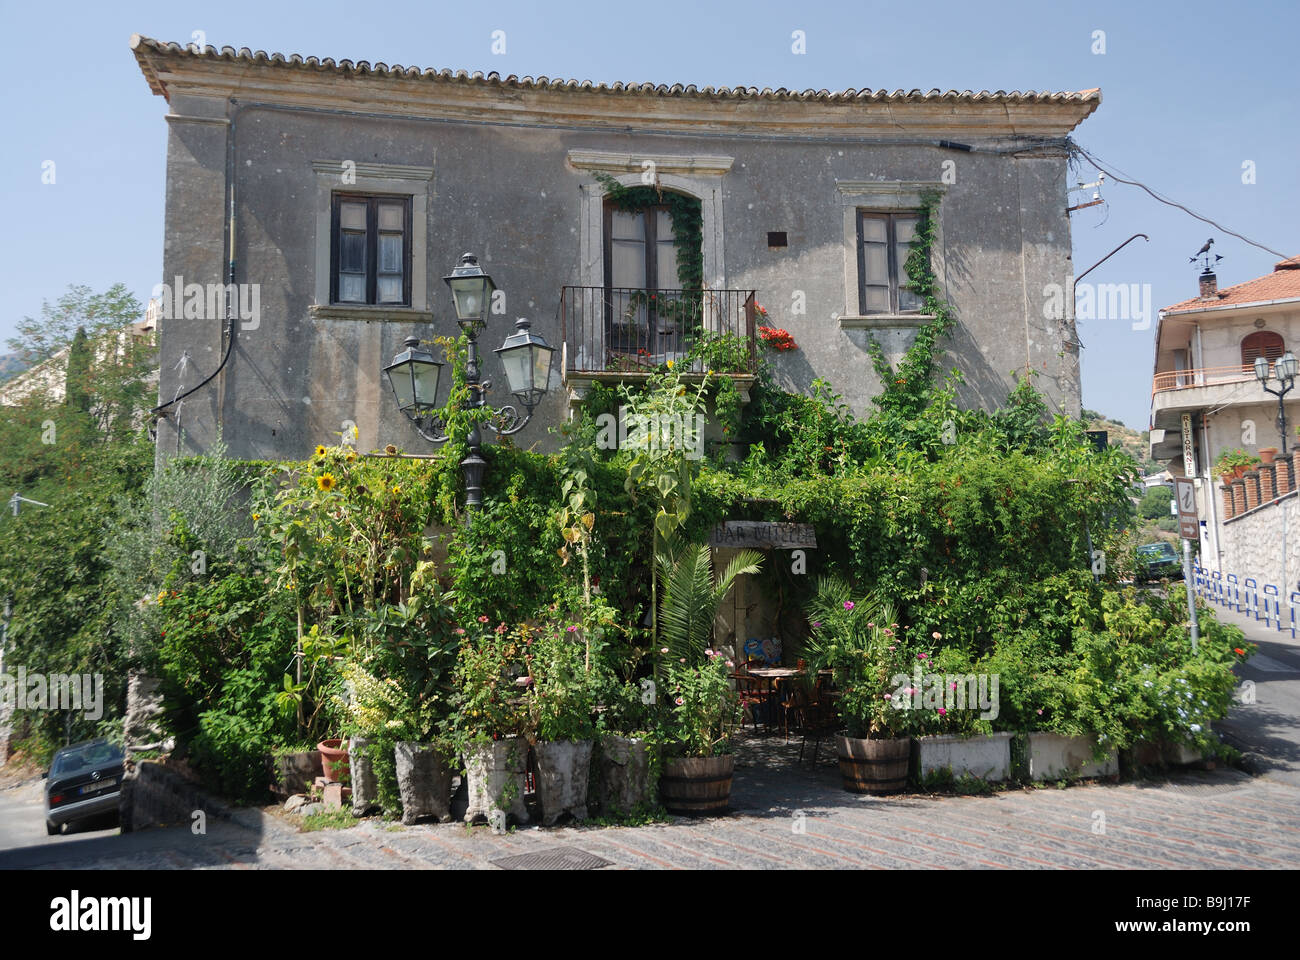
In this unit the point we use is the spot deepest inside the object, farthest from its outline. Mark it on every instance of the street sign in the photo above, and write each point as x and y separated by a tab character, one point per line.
1189	526
1189	451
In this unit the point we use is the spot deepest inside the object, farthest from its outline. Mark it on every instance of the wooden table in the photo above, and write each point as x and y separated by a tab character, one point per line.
771	675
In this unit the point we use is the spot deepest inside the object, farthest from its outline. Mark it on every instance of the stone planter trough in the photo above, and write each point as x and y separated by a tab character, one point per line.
562	768
295	772
495	774
424	781
1054	757
985	757
624	766
365	784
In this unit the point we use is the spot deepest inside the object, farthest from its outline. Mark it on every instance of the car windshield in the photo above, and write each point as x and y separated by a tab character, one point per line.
87	755
1156	550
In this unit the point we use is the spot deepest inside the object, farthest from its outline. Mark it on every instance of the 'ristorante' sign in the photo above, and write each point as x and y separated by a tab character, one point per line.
761	535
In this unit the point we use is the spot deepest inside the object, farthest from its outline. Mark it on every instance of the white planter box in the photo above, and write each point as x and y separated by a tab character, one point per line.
988	758
1054	757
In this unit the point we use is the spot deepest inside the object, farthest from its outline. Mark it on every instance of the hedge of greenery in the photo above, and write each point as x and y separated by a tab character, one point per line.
287	603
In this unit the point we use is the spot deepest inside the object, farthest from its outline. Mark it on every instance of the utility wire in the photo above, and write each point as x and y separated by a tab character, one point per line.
1172	203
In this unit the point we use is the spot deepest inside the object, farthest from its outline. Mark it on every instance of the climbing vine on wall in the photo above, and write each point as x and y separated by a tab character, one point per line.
688	223
906	390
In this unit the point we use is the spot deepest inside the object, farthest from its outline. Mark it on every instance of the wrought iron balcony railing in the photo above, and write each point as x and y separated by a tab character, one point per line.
628	330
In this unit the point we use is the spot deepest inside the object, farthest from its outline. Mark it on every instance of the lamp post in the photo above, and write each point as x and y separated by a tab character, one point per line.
1284	369
526	357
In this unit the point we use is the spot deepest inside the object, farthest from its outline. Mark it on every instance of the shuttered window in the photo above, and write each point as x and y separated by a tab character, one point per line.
1262	343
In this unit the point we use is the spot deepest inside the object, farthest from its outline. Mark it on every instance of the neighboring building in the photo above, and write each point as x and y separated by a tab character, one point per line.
339	193
1205	352
1162	479
49	377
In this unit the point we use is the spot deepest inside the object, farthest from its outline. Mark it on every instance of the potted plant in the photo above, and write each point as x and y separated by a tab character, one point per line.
1268	454
626	779
699	709
561	698
1231	464
334	759
490	721
627	760
860	642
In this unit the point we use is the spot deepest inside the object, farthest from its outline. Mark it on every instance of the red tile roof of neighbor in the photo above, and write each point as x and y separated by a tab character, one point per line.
1282	284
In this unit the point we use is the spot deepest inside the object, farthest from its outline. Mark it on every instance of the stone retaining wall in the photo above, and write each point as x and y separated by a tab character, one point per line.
1264	543
155	795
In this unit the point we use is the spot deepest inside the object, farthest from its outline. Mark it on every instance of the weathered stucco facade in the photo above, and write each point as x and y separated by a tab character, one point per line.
507	169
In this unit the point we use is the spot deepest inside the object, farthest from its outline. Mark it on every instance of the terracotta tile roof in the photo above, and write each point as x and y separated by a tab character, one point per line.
1282	284
143	46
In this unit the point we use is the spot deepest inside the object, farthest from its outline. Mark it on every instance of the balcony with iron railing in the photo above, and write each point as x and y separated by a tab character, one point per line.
612	334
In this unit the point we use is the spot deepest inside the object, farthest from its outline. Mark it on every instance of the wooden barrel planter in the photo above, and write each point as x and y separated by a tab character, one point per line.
697	786
873	766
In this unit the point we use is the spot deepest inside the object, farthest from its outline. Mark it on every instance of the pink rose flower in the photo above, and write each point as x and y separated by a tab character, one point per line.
942	711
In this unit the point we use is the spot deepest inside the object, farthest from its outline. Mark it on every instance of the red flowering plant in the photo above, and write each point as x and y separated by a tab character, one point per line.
776	338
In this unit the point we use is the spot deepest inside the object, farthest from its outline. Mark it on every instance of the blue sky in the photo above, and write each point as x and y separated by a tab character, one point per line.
1192	90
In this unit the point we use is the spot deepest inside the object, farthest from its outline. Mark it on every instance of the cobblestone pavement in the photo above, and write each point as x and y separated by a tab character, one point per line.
786	815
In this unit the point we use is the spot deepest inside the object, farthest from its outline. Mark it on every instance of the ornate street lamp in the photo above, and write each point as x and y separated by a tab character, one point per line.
471	292
1284	369
526	356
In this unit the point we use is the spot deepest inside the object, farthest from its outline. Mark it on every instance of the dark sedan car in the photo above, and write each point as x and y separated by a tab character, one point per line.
85	780
1155	561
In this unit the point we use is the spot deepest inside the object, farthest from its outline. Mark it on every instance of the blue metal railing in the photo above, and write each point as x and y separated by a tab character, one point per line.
1247	596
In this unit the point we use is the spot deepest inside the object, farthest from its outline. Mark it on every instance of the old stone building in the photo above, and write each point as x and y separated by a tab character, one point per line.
335	195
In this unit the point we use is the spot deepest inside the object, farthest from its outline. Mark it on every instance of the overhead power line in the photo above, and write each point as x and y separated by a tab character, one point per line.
1110	172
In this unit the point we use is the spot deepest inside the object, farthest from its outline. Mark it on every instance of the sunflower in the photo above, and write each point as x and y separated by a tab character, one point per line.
351	457
325	481
390	450
320	450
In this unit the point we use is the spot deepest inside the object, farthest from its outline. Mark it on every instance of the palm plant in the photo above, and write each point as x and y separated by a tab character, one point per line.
691	595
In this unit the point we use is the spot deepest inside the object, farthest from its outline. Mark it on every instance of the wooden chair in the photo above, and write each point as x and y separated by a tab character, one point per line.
823	719
752	691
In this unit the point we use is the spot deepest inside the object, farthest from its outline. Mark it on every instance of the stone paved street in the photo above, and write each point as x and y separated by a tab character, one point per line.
1207	819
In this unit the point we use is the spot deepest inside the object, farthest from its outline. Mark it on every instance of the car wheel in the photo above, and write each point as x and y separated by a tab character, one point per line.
53	829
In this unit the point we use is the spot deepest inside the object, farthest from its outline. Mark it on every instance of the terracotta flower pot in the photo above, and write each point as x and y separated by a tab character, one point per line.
333	759
1239	471
1267	454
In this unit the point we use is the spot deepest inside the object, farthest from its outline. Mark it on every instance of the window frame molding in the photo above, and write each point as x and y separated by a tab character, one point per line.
697	176
373	231
414	183
882	196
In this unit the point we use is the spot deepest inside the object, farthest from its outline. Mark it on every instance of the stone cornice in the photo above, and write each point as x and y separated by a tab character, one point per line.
635	162
256	78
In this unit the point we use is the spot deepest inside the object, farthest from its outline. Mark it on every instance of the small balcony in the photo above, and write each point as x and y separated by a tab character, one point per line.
613	334
1175	392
